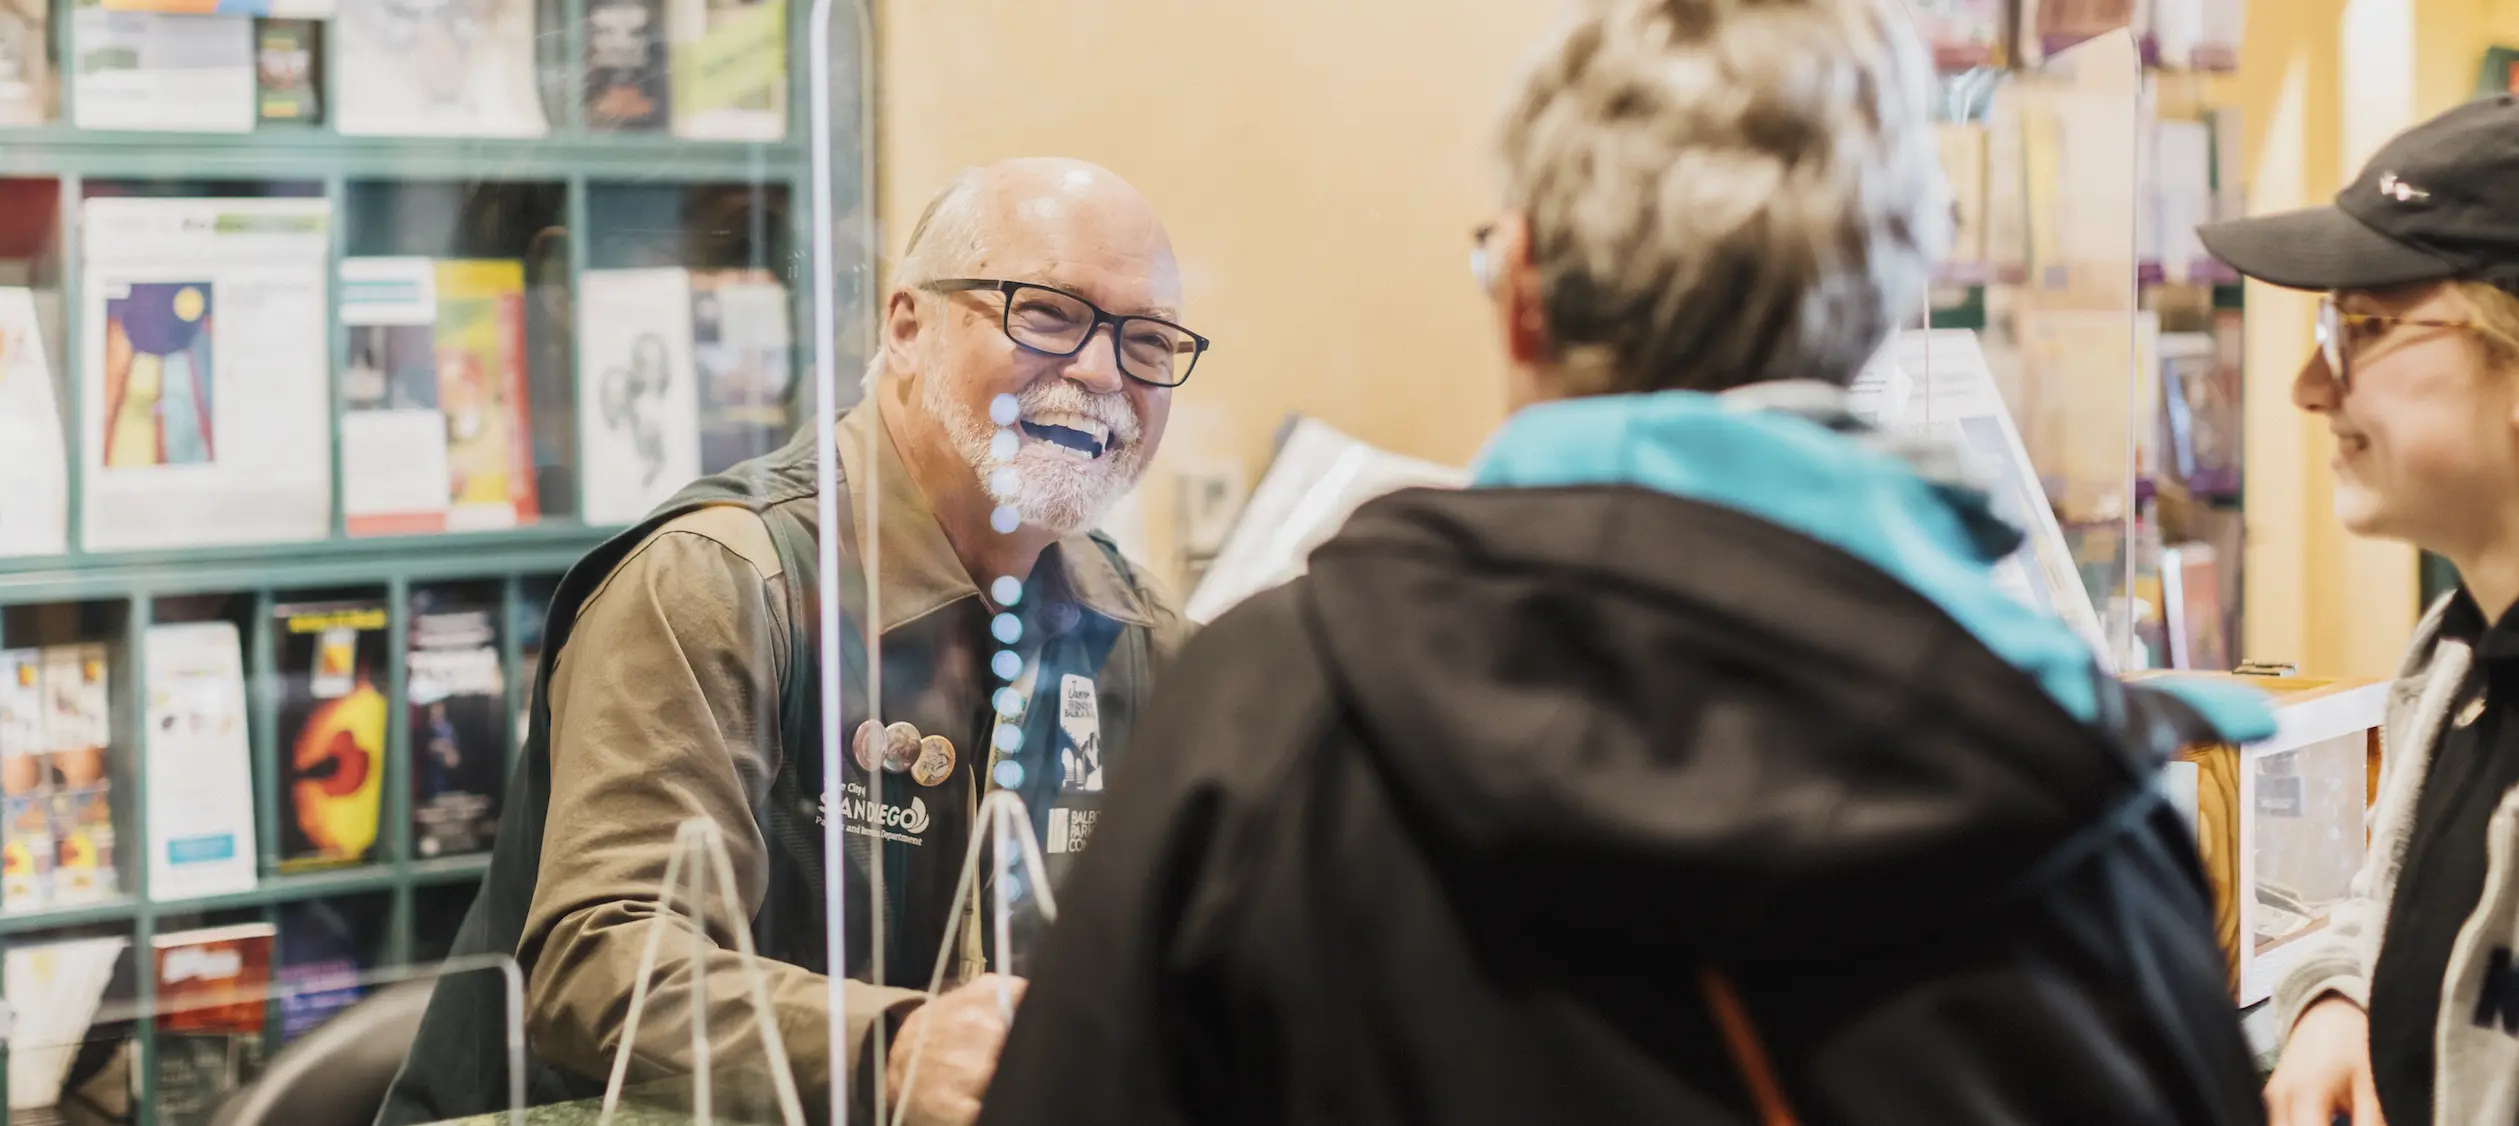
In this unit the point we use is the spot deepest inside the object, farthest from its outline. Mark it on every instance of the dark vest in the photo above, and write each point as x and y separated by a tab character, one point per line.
936	676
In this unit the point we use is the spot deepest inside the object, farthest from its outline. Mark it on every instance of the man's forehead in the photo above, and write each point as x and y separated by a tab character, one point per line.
1097	239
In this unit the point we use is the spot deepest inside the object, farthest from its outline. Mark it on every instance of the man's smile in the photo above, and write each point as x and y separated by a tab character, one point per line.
1069	431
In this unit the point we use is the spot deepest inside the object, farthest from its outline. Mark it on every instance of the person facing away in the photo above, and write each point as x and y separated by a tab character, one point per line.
1690	767
2405	1008
682	677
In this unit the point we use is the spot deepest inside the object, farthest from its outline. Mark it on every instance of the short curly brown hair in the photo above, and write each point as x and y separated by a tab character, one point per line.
1724	192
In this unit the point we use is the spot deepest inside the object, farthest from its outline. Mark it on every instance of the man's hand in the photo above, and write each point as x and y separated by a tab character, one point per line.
2325	1069
963	1029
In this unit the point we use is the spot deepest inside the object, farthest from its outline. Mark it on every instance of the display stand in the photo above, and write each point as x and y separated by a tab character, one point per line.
700	878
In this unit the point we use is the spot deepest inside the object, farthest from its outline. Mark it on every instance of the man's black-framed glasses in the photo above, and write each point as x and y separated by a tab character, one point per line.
1055	322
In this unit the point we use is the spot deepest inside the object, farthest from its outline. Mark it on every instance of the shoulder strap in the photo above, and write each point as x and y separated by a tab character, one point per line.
1749	1053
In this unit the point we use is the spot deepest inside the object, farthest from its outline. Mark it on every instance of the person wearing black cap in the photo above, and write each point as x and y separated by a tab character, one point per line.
2405	1009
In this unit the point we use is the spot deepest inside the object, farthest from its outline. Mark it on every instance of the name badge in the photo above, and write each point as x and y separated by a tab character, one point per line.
1080	719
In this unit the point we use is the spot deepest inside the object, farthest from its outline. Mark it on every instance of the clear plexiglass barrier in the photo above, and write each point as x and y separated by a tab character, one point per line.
2042	365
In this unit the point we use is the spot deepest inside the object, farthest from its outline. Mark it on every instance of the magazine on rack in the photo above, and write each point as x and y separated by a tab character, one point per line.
201	364
638	411
322	955
333	715
434	431
26	77
201	797
34	461
26	839
161	71
77	782
1963	33
627	85
55	991
729	69
288	71
1937	383
458	723
2200	409
213	989
742	349
1319	477
448	68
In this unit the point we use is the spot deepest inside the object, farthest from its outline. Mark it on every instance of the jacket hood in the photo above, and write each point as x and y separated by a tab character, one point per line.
1750	658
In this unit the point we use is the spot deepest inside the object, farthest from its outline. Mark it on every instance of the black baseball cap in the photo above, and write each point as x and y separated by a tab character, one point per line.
2441	201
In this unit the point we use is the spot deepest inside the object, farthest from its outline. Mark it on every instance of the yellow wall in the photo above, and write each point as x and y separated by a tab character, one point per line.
1320	164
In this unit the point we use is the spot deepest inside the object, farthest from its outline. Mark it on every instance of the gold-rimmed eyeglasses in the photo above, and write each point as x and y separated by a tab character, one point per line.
2341	334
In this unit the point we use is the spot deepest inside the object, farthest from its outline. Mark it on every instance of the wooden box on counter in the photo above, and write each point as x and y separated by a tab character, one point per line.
2282	825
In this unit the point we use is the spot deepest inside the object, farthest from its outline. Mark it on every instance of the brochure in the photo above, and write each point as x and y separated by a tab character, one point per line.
743	348
729	69
26	76
159	71
34	459
202	365
458	68
201	797
1319	477
638	407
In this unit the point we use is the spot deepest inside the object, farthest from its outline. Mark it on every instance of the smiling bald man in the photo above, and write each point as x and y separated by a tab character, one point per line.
682	672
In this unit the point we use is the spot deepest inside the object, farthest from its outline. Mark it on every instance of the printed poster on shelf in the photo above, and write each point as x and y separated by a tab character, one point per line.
34	460
201	797
202	363
434	433
450	68
154	71
729	61
26	77
743	349
333	713
638	401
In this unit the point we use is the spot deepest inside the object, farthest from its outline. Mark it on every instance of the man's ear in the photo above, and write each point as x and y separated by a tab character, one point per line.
900	331
1521	310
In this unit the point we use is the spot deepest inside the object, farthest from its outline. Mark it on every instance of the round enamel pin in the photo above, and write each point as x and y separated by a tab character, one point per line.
935	761
863	746
900	747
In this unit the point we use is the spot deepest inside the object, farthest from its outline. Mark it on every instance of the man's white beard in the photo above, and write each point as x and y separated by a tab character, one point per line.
1057	491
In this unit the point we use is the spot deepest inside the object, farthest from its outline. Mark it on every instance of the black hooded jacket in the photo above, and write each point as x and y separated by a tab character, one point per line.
1450	830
